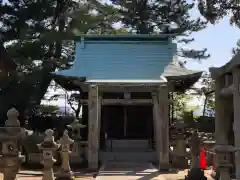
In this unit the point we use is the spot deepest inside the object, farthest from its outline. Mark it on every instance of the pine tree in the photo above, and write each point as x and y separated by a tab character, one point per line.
48	33
236	49
39	37
213	10
162	17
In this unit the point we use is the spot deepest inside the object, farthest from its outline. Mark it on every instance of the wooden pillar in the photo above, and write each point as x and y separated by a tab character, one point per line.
99	118
93	127
164	127
161	126
236	106
156	123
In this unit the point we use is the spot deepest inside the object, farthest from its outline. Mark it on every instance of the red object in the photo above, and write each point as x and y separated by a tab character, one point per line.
203	162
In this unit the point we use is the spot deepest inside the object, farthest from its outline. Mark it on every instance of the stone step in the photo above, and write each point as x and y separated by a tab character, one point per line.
135	144
127	149
128	156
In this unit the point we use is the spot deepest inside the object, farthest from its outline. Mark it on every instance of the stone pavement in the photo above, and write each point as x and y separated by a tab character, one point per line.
119	171
129	171
135	171
37	175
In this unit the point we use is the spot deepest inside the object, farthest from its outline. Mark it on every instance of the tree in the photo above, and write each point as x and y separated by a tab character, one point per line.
42	42
179	104
207	91
48	110
236	49
162	17
45	36
214	10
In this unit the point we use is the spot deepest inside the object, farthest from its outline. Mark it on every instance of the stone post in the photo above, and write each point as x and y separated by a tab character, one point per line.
236	105
10	136
77	150
65	172
93	127
48	146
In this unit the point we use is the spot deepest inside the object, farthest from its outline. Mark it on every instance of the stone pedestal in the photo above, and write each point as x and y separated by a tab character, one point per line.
223	160
65	172
48	146
77	154
195	150
9	137
224	173
179	152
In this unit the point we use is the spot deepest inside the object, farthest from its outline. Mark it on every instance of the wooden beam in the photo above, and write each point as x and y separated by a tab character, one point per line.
122	101
126	102
123	89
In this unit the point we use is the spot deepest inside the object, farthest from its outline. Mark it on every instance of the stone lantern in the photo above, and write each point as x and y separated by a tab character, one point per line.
48	147
10	137
65	172
77	150
179	153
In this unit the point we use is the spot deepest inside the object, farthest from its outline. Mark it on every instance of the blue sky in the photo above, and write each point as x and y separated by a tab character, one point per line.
219	39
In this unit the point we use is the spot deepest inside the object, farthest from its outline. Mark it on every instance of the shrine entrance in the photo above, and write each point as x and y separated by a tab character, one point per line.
127	122
127	132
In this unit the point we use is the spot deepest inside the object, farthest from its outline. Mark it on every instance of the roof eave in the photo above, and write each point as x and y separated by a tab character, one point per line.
125	36
227	68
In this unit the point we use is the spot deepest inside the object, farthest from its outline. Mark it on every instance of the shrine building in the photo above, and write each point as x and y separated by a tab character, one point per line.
126	95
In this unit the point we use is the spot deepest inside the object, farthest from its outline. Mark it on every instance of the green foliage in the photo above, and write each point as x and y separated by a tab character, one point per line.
44	37
180	104
213	10
208	91
39	37
237	48
48	109
162	17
